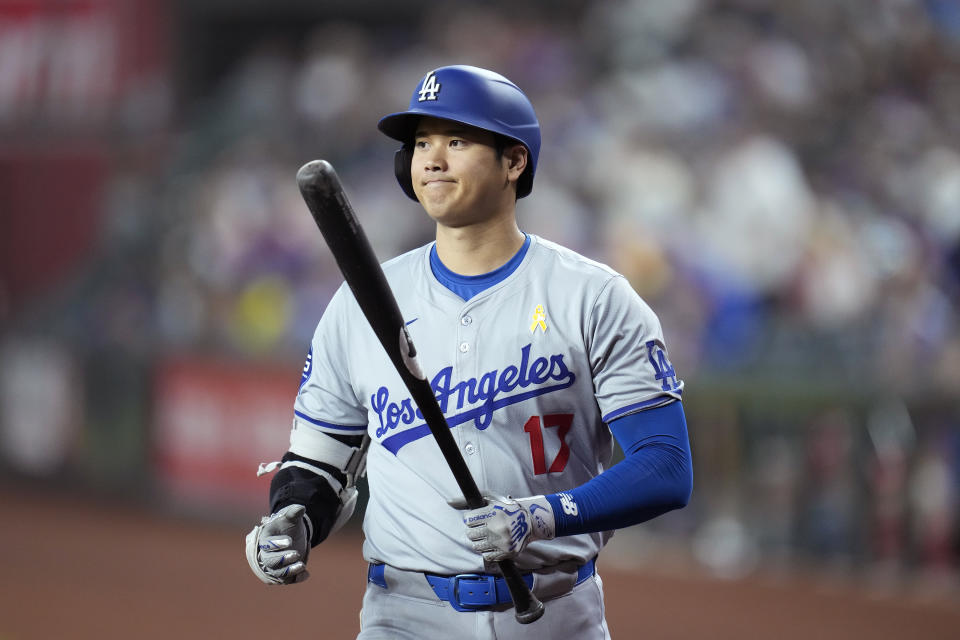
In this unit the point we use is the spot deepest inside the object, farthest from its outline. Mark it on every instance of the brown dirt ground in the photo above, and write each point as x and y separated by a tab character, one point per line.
76	569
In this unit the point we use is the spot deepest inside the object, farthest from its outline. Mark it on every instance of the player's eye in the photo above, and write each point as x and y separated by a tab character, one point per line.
420	144
457	143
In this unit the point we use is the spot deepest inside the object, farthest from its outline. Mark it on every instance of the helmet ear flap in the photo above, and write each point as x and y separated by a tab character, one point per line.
401	167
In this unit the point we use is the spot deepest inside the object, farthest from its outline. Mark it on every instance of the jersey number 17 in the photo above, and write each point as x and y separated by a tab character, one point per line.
534	428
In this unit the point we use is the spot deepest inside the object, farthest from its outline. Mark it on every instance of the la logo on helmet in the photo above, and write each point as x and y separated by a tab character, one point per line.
430	88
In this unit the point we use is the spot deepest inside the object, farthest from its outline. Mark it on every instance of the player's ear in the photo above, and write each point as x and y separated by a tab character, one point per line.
515	157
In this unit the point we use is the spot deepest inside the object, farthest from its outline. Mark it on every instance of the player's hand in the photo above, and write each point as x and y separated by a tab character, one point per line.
277	548
501	529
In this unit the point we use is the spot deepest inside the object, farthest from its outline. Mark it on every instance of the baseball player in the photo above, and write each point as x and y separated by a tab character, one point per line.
539	358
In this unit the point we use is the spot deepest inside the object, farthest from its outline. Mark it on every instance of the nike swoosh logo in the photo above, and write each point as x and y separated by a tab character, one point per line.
410	322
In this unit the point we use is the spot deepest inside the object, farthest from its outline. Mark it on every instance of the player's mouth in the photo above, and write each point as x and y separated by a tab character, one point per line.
438	181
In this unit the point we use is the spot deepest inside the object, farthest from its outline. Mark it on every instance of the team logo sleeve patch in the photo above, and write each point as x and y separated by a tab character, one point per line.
662	367
307	368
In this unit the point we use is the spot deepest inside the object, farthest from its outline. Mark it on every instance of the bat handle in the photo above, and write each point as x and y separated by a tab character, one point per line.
527	608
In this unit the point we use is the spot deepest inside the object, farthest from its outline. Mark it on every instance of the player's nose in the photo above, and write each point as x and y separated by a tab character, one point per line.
433	159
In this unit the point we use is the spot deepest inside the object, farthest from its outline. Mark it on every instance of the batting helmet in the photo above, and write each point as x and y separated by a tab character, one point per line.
472	96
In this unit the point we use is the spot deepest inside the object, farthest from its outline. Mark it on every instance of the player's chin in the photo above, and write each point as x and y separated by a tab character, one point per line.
438	206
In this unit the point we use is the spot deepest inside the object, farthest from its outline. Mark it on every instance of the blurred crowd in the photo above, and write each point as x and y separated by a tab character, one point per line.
780	180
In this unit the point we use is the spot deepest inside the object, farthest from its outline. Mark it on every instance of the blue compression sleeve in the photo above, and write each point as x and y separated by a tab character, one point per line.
655	476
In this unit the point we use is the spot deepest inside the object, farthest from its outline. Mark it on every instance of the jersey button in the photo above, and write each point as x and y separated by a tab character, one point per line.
470	449
464	347
465	320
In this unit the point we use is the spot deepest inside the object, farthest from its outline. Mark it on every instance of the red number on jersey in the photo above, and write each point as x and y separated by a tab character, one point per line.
563	422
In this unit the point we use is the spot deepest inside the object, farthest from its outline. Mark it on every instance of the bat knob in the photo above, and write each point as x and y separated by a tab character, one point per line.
534	612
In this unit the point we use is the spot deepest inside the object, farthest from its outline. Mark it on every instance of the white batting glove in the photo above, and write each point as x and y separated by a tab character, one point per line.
277	548
501	529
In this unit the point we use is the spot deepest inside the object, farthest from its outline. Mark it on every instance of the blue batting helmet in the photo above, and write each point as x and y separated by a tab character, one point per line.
471	96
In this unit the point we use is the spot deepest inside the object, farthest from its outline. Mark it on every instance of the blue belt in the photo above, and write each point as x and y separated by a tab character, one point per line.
473	591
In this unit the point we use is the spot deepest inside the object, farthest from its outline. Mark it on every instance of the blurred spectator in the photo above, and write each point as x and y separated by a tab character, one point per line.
829	519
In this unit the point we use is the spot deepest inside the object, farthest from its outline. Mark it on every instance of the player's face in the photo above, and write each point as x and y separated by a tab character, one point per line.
458	176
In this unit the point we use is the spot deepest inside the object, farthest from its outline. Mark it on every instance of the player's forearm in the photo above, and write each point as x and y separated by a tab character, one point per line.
631	492
655	477
296	485
314	483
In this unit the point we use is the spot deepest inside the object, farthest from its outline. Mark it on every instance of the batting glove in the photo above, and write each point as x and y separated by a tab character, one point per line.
277	548
501	529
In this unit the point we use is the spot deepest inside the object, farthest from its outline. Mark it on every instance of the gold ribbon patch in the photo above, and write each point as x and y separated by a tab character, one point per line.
538	319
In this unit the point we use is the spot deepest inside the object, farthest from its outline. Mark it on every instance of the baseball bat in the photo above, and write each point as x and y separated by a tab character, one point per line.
328	204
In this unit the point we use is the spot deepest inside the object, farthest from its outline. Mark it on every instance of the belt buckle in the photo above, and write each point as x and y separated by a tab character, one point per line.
455	596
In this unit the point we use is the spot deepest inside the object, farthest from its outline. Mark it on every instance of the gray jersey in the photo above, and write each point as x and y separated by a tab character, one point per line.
527	374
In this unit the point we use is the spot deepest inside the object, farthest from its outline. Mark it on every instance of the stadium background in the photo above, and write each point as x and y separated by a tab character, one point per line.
781	181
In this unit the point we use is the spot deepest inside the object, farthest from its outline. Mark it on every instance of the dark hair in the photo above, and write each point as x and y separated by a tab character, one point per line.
501	142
